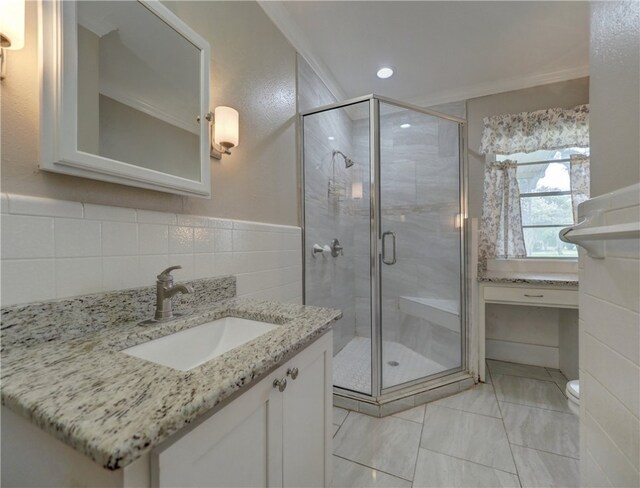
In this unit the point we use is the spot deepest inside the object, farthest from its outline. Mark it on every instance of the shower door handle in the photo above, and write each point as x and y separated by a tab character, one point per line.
384	248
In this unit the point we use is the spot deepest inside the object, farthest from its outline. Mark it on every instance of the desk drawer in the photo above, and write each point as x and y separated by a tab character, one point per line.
534	296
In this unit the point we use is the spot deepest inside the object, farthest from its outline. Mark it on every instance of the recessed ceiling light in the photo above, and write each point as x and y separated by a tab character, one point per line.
405	126
385	73
331	138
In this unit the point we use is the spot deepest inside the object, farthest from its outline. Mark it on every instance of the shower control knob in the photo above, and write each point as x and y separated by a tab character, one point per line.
293	372
281	385
336	248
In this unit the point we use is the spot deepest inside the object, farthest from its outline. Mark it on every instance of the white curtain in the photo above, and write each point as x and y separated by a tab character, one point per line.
579	174
553	128
501	233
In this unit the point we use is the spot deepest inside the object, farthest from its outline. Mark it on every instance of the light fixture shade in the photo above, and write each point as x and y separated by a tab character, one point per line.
356	190
12	23
357	185
227	127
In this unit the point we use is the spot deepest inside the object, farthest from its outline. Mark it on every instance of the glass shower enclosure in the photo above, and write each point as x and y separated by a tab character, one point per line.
384	233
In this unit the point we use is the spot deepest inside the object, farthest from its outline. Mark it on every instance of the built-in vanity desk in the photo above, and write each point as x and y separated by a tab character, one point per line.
78	411
558	290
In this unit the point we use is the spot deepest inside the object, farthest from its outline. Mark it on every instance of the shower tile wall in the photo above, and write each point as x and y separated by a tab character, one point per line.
312	92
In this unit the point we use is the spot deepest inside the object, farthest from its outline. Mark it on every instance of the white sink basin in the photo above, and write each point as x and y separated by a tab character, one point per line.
192	347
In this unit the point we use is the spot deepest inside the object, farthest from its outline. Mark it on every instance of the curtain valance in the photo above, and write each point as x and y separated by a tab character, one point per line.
525	132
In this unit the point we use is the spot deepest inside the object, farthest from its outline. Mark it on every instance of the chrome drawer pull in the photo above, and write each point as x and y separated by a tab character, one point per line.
281	385
293	372
533	296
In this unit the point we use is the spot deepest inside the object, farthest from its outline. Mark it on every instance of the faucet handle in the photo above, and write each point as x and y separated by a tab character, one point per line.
166	274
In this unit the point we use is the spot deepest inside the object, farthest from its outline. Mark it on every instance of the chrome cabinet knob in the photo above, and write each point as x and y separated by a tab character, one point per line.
281	385
293	372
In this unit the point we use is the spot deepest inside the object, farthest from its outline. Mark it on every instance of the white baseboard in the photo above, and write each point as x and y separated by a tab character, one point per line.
517	352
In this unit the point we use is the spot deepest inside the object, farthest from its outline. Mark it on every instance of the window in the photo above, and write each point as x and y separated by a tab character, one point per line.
545	200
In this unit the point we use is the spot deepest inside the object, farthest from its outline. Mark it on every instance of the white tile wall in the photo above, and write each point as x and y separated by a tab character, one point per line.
26	205
610	351
27	237
153	239
119	239
180	239
55	249
76	238
33	279
105	212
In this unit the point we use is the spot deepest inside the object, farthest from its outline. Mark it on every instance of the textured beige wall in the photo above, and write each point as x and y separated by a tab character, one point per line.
615	95
252	69
564	94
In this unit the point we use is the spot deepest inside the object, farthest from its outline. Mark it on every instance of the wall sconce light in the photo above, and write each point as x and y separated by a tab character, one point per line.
225	129
356	190
457	221
11	29
357	185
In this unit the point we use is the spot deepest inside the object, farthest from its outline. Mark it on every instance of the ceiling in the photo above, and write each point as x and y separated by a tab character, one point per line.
440	51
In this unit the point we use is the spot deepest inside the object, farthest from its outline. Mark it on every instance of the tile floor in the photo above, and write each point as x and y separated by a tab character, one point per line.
516	430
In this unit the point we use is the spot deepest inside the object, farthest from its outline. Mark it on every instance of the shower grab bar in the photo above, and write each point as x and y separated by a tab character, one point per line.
384	248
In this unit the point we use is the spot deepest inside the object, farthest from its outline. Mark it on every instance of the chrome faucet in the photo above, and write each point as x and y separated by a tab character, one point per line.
165	290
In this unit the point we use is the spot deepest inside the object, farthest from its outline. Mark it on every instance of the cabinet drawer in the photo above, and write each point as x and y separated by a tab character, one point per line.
534	296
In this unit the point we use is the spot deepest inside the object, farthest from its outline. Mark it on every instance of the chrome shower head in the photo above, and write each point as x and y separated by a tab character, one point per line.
348	162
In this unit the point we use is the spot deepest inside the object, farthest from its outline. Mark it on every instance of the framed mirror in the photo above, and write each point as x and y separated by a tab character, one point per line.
124	94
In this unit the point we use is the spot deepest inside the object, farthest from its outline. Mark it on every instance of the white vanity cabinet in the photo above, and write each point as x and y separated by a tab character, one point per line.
525	294
262	438
269	436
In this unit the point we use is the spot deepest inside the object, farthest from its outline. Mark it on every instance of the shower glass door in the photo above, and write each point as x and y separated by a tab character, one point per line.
383	186
420	256
337	222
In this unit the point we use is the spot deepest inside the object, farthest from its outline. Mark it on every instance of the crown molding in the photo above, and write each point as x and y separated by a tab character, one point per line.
501	86
100	27
279	15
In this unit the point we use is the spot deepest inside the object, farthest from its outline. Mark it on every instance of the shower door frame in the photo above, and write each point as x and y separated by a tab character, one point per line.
378	393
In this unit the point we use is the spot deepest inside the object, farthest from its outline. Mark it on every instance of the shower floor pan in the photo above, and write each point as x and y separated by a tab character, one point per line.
352	365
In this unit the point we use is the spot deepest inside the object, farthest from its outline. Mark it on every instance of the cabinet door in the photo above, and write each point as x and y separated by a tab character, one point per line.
239	446
307	418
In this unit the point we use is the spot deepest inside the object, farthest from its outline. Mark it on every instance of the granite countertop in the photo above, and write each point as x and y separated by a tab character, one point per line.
555	279
72	380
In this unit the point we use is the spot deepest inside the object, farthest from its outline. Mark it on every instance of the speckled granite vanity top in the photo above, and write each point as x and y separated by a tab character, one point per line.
63	369
555	279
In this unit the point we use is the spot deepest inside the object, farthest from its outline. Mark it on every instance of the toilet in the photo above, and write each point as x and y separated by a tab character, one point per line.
573	395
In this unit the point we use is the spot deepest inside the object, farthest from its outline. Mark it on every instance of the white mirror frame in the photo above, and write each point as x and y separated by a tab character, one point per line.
59	106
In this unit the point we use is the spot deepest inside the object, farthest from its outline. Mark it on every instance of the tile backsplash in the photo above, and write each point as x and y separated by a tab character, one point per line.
56	249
